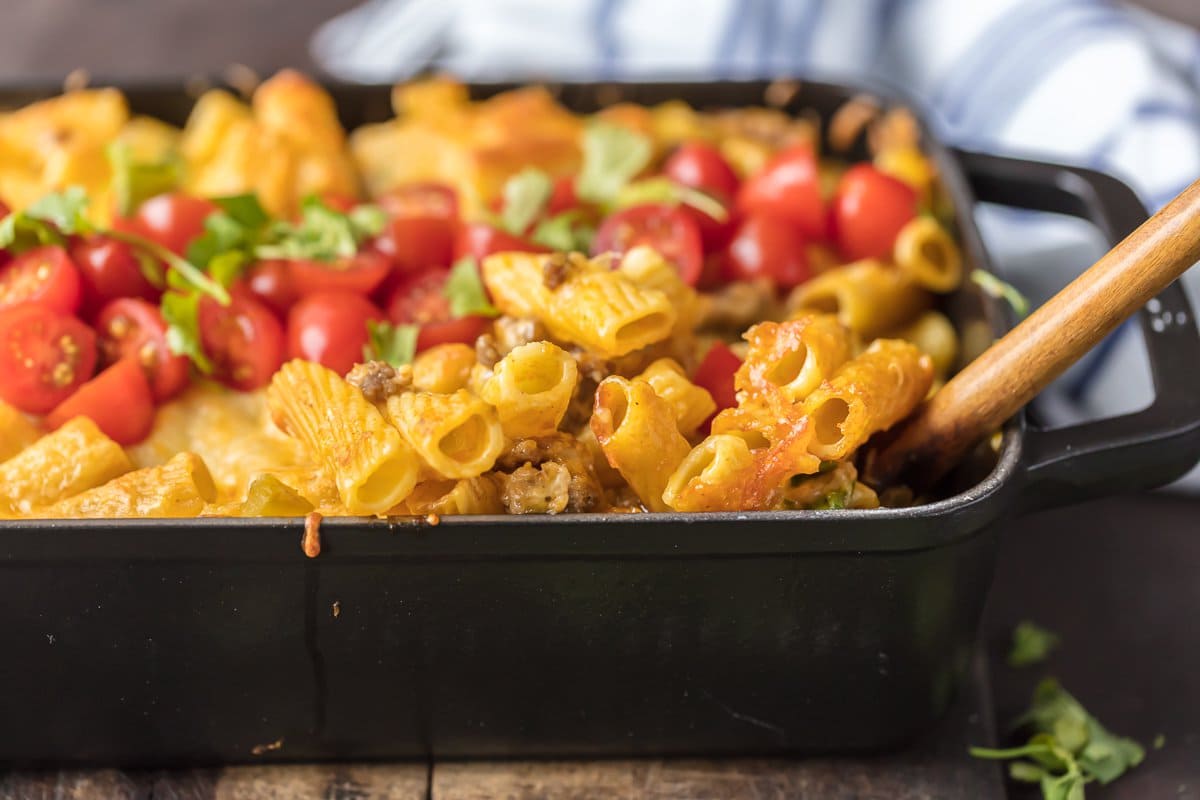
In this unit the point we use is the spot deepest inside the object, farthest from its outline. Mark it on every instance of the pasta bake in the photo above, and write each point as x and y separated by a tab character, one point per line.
476	307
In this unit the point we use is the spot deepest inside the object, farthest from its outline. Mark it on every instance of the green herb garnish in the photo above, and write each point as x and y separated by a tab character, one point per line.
525	198
612	157
567	232
1001	290
48	221
464	289
1069	747
1031	644
665	190
395	344
134	182
180	311
322	234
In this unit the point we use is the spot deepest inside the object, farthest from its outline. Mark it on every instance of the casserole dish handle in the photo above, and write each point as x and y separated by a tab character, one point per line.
1140	450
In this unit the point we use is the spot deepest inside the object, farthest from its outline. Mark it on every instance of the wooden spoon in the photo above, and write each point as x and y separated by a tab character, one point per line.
1014	369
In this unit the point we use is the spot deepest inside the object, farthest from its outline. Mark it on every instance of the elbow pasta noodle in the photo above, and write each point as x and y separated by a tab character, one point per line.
373	466
16	431
795	356
637	431
179	488
443	369
531	388
868	297
72	459
457	435
934	335
869	394
692	404
926	253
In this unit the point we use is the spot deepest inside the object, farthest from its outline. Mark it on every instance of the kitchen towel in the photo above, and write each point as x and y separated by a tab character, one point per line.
1085	82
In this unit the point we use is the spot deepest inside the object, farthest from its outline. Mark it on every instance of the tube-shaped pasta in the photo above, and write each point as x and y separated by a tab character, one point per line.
72	459
478	495
793	357
868	297
372	465
712	473
607	313
580	301
637	431
457	435
935	336
444	368
692	404
531	388
644	266
179	488
16	431
926	253
868	394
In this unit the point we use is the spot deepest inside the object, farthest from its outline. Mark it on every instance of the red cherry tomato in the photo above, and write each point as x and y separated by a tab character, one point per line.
702	166
869	209
420	200
271	282
419	301
172	220
714	233
359	273
339	202
244	340
118	400
330	328
109	270
44	275
667	229
715	374
415	244
45	355
788	187
481	240
767	247
562	196
132	328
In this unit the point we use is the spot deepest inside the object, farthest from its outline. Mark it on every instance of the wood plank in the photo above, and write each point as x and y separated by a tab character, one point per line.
109	784
320	782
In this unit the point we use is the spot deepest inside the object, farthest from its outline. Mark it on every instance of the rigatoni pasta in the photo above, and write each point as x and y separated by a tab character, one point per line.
531	388
868	297
457	435
70	460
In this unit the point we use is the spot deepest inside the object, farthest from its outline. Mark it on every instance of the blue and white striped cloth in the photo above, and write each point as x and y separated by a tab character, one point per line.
1085	82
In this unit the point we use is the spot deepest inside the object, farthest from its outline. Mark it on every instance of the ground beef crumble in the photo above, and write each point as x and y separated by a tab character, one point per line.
548	474
379	380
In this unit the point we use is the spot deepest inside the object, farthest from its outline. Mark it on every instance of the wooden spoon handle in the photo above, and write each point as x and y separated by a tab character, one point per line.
1015	368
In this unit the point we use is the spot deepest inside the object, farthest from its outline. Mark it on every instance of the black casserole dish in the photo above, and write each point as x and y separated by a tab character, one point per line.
218	640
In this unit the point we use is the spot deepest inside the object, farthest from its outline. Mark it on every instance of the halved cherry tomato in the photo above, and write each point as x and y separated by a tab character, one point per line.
415	244
132	328
419	301
339	202
118	400
44	275
869	209
359	273
767	247
788	187
714	233
420	200
45	355
715	373
173	219
667	229
108	270
330	328
270	281
702	166
244	340
481	240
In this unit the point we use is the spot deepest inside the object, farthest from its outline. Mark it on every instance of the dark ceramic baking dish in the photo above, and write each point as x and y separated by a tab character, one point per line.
173	642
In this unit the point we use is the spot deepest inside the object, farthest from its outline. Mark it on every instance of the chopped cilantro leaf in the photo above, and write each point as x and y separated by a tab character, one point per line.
665	190
612	157
566	231
464	290
322	234
134	182
1001	290
395	344
525	197
1031	643
180	311
244	209
833	501
47	221
1068	749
